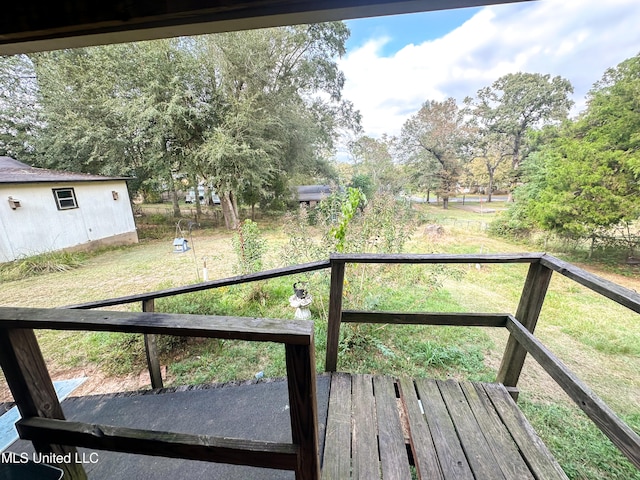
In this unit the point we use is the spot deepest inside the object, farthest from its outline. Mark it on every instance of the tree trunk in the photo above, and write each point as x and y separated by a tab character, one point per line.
174	199
445	203
490	186
230	215
253	212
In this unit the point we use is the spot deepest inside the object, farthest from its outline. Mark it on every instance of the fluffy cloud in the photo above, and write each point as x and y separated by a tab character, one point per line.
578	39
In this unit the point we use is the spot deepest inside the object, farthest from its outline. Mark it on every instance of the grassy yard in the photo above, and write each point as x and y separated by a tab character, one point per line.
597	339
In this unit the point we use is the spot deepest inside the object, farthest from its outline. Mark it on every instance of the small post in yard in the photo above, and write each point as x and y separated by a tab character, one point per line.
335	314
153	362
531	300
32	389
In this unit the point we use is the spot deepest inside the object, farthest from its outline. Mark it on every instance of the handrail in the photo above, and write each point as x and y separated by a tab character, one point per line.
627	441
43	420
521	326
198	287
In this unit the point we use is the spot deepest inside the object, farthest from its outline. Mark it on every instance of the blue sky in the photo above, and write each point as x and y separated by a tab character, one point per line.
394	64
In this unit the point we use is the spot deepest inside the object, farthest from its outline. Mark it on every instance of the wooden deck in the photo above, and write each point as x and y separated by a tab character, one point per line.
379	427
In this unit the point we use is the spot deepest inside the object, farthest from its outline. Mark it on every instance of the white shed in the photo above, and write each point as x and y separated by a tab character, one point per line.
45	210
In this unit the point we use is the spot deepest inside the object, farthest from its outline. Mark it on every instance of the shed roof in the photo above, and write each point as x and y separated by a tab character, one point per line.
13	171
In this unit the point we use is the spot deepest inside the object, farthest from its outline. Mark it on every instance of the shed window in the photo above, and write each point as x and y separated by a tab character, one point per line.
65	198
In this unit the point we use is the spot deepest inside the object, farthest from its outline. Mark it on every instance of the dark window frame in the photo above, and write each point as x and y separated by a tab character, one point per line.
65	202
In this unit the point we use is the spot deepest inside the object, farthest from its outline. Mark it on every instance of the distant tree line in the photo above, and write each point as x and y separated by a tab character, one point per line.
241	112
252	113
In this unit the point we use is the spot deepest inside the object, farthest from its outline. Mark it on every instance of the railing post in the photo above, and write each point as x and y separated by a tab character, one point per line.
533	294
153	362
335	314
301	378
32	389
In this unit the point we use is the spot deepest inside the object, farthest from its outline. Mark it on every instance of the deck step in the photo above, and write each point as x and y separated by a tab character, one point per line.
451	430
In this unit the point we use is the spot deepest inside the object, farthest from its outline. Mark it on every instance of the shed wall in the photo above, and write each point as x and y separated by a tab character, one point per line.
38	226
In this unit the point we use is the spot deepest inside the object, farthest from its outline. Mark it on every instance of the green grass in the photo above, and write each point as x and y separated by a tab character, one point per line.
582	449
598	340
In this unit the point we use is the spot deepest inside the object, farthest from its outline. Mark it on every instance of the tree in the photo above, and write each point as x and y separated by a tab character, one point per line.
434	142
19	121
513	104
585	181
372	159
273	121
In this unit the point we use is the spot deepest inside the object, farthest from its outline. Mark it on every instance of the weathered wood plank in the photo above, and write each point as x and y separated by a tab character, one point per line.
424	451
529	307
166	444
366	463
151	350
301	379
335	315
33	391
434	258
337	441
498	437
617	293
237	328
198	287
453	461
394	460
599	412
477	450
535	452
426	318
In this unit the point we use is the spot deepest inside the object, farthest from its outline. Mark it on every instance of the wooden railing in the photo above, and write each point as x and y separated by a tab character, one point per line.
521	327
43	421
521	341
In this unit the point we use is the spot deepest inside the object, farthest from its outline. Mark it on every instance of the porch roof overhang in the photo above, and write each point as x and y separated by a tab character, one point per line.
39	25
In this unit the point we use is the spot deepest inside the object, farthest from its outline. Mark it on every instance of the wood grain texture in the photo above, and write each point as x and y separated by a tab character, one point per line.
151	350
337	441
301	379
335	315
424	451
617	293
297	332
33	391
599	412
166	444
505	451
529	307
394	461
452	458
366	463
417	258
426	318
535	452
473	441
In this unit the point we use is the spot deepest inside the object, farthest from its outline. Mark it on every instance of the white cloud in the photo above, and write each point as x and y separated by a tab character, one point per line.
578	39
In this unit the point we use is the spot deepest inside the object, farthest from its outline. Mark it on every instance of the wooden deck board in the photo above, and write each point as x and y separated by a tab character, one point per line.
424	451
393	451
504	449
453	430
534	451
337	450
366	463
473	441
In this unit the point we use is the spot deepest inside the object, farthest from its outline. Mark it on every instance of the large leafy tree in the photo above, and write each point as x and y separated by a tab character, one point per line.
19	123
242	112
585	180
434	143
506	110
281	107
